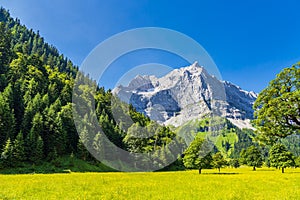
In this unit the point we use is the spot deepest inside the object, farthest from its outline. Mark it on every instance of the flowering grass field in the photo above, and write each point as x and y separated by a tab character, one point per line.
239	183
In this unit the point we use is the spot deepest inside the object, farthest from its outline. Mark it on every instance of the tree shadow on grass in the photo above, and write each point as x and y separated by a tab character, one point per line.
224	173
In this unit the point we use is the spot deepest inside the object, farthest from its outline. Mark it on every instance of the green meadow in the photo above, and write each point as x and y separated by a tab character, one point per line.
242	183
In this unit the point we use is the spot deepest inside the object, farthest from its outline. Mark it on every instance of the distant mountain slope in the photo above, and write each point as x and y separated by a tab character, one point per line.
230	140
185	94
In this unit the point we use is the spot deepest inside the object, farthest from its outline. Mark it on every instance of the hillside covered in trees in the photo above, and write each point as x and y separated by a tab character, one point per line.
36	83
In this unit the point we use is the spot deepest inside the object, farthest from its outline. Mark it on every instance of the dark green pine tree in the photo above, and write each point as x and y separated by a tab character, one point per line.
66	95
59	139
8	94
18	68
51	132
5	54
19	149
38	153
99	146
33	106
83	141
68	128
7	120
33	142
7	154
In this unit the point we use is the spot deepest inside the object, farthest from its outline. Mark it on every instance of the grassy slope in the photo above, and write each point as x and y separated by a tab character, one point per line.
227	135
236	184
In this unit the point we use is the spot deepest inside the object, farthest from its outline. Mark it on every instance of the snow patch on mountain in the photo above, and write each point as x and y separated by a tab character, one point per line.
188	93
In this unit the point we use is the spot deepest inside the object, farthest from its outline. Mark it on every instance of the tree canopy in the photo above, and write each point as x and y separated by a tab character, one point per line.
219	161
252	157
280	157
277	108
198	155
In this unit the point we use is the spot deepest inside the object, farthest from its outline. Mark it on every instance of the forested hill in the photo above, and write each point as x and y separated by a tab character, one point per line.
36	83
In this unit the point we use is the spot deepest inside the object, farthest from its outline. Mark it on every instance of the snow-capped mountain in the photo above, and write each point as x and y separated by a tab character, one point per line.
185	94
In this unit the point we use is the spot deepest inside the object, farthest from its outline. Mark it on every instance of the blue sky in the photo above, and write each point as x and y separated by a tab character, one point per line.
250	41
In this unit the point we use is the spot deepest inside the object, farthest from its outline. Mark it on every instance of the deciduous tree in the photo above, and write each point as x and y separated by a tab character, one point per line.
219	161
277	108
280	157
197	155
253	157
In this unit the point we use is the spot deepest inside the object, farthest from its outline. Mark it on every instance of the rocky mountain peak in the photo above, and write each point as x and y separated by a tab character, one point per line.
185	94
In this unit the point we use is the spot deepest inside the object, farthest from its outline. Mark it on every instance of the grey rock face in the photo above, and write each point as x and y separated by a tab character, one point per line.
185	94
240	101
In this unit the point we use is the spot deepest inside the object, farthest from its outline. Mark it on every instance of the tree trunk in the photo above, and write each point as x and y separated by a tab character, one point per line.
219	170
254	169
282	169
200	170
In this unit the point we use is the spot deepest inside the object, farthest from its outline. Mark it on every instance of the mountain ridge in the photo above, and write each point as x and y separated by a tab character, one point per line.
187	93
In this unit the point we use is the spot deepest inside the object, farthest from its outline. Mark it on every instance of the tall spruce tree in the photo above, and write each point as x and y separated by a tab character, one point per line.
19	149
7	154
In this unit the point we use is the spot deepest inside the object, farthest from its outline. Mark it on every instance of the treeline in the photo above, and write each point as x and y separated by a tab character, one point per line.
278	156
235	147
